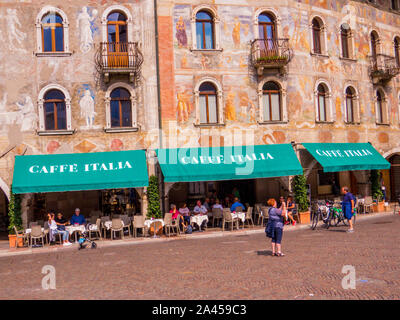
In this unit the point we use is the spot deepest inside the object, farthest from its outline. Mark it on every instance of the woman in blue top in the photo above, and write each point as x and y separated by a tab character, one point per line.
348	207
275	219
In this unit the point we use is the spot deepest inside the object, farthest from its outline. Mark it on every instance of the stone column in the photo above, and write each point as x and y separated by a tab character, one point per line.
26	214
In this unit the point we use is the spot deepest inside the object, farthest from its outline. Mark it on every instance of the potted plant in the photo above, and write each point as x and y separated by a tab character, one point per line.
377	195
14	214
153	196
301	199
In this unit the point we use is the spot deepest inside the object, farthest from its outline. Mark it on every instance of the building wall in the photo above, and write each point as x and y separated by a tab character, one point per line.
240	83
23	74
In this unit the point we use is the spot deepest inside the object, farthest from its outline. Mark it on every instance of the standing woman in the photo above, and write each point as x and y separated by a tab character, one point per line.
275	226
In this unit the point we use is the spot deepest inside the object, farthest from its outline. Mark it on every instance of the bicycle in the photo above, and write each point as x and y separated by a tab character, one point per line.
319	212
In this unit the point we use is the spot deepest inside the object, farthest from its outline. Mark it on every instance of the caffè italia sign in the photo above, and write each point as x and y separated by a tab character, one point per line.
349	153
219	159
74	167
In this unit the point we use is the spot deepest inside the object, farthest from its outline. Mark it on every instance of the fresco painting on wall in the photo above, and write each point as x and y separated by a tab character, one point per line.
28	116
87	28
87	105
182	26
14	33
236	27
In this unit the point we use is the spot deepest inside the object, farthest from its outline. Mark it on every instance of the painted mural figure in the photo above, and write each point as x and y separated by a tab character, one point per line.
183	113
230	107
87	108
14	34
236	32
181	33
3	103
83	23
29	116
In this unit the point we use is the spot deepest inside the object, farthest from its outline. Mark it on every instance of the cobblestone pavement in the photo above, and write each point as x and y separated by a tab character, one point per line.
229	267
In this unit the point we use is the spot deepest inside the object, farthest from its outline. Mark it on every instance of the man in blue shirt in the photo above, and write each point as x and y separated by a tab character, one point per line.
77	218
236	204
348	204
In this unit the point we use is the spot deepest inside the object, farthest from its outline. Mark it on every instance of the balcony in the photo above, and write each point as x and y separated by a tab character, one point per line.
119	58
270	54
383	68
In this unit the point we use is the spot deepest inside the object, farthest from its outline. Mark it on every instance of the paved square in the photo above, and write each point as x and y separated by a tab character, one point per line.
229	267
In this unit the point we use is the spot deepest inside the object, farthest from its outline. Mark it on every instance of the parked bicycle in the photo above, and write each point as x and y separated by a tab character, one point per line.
330	213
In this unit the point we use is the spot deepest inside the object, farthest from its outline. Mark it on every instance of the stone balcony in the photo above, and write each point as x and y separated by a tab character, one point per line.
270	54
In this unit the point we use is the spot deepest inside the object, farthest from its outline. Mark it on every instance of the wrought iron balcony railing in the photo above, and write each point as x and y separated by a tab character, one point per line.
119	57
270	53
383	68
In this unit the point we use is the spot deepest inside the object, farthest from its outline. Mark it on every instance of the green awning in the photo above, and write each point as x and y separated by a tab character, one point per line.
228	163
347	156
80	171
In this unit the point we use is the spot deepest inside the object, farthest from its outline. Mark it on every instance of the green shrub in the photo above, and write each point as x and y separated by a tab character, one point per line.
299	187
14	212
376	191
153	196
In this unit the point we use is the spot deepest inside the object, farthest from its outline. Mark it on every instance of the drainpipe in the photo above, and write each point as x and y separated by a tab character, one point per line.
162	184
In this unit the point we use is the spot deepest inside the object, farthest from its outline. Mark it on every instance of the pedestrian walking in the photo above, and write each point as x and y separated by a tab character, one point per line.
274	229
348	207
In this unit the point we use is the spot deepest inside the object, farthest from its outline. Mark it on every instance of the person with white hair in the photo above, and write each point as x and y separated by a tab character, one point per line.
77	218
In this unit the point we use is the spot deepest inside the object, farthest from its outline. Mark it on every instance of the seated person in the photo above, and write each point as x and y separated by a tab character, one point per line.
227	202
185	212
290	207
236	204
61	221
199	208
77	218
54	230
217	205
206	204
175	215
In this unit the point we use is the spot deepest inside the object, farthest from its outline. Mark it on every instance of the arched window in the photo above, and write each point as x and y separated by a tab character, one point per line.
345	39
397	51
317	35
379	107
205	30
120	108
208	103
55	114
374	45
322	101
52	33
272	102
266	26
350	105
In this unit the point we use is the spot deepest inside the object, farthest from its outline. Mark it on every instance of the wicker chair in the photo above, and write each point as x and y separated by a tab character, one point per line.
96	230
21	235
117	226
32	223
257	211
127	223
367	206
40	223
295	213
263	216
227	218
138	223
37	233
249	216
216	215
170	224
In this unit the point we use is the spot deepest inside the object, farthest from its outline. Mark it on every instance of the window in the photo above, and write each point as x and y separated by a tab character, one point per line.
117	28
266	26
350	105
374	45
317	33
271	102
345	37
204	30
208	103
321	100
379	107
52	33
121	108
397	51
395	4
55	110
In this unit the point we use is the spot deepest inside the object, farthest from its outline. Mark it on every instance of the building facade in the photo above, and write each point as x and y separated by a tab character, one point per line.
75	77
282	72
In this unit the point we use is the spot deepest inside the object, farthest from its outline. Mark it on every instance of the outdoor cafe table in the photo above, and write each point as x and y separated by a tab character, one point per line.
198	219
108	224
239	215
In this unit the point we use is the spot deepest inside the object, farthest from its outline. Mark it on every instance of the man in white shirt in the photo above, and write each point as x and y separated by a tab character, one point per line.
199	208
217	205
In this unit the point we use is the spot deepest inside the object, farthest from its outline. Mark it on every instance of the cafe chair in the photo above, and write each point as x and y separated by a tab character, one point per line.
138	223
127	223
21	235
170	224
96	229
228	219
37	233
216	216
263	216
295	213
249	217
117	226
368	203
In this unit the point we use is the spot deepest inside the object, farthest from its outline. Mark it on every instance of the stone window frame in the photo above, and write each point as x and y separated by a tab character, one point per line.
217	32
329	104
350	44
324	40
129	21
39	41
378	42
275	14
220	102
134	104
356	104
282	85
396	37
385	109
42	127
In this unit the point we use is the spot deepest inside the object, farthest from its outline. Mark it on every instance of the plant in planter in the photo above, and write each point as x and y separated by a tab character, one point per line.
274	58
299	187
15	220
153	196
376	191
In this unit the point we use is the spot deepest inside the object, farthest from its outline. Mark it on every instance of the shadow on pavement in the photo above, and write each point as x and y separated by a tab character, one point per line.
264	253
